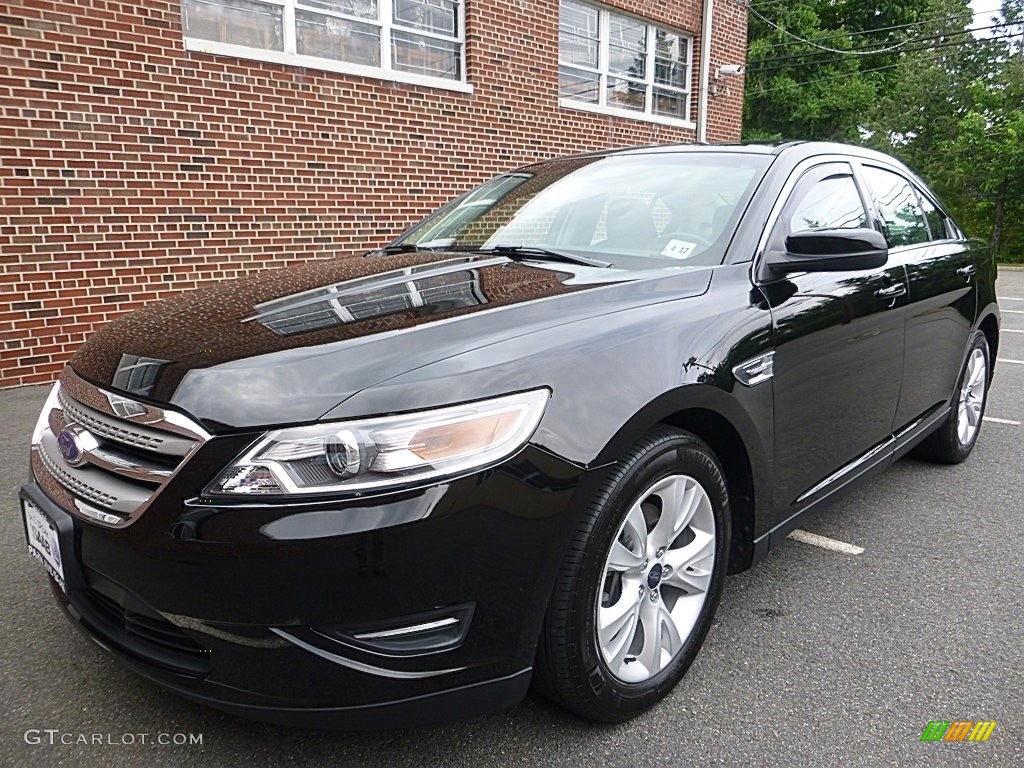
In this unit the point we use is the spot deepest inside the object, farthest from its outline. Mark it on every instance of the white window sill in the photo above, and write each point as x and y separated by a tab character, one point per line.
644	117
327	65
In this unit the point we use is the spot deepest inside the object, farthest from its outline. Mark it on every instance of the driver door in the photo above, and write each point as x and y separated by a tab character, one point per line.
839	340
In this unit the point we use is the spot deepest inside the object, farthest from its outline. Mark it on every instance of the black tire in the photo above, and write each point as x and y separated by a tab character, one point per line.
944	446
570	668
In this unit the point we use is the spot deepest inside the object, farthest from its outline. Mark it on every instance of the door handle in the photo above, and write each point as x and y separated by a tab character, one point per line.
892	291
967	270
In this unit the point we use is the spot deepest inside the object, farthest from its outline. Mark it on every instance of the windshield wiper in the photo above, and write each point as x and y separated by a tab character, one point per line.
519	252
402	248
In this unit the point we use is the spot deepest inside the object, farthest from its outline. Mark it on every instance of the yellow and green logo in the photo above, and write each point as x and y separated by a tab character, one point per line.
958	730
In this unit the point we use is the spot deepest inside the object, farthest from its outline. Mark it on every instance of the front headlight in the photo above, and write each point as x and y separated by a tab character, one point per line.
375	454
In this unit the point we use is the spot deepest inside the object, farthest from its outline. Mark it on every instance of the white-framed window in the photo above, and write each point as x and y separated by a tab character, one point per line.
613	63
415	41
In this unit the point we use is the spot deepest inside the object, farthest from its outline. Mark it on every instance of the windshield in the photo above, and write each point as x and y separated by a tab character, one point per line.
631	210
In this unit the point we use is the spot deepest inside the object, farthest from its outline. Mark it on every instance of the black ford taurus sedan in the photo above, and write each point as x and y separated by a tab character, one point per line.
523	443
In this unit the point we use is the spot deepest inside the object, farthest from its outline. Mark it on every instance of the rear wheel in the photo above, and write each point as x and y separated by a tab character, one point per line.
639	588
955	439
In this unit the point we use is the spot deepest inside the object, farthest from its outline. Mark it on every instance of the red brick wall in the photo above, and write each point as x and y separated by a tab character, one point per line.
131	169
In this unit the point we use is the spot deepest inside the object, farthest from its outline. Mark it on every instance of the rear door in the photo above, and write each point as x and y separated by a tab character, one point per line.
943	300
839	349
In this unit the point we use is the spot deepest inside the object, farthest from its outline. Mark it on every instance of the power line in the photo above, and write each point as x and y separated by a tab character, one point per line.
757	64
824	47
952	17
839	75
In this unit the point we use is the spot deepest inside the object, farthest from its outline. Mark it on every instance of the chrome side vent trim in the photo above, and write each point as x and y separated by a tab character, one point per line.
752	372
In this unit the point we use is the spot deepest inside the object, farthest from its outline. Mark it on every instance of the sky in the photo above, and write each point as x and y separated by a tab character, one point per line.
984	10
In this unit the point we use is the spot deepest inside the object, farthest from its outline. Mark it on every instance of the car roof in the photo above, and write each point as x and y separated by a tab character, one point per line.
792	151
801	148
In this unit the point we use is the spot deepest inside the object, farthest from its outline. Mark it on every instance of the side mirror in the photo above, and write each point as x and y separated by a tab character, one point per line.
830	250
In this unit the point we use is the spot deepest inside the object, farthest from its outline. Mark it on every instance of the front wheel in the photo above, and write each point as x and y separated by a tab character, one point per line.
954	440
638	590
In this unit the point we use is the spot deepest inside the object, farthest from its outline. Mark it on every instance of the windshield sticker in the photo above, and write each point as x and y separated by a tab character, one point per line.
678	249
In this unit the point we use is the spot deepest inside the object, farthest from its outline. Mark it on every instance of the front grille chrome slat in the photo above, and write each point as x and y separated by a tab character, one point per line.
133	468
128	451
124	432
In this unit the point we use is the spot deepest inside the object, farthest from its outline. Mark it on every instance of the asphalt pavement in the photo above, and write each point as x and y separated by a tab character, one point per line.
816	658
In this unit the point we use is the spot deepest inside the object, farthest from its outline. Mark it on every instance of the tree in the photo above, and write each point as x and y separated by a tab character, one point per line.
808	75
910	79
987	154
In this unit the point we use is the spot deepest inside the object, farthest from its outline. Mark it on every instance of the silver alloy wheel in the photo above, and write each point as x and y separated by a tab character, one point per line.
656	578
972	397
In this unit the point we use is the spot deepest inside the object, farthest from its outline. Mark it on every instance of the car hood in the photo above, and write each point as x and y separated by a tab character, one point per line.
288	345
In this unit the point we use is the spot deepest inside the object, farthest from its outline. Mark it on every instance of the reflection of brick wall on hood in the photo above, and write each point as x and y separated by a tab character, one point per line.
133	169
204	328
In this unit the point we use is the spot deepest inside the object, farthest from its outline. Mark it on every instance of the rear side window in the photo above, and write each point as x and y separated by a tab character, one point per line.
903	221
940	226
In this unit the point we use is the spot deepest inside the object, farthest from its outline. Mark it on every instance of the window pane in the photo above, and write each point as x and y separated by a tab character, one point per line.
573	49
622	204
670	56
437	16
936	221
670	104
332	38
425	55
626	94
366	9
577	34
902	219
574	84
832	203
627	46
239	22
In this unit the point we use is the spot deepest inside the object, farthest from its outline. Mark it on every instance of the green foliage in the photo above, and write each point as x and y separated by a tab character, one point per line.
917	85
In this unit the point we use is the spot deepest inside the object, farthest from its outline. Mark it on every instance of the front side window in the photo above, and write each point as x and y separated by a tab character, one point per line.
903	221
825	197
631	210
400	39
829	203
621	63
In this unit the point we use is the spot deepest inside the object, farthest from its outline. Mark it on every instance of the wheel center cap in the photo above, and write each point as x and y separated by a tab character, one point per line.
654	576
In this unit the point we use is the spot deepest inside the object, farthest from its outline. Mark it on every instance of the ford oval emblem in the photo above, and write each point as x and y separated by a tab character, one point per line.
67	444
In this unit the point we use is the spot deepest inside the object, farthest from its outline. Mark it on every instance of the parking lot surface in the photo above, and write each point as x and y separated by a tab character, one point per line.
817	657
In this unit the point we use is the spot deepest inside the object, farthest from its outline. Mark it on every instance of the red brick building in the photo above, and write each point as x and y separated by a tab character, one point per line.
151	146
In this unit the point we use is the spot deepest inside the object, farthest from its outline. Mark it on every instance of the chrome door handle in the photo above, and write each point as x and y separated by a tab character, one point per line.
967	270
892	291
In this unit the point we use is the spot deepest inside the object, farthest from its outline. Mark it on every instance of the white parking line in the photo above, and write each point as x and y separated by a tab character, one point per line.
825	542
1011	330
1008	360
1012	311
1001	421
1008	298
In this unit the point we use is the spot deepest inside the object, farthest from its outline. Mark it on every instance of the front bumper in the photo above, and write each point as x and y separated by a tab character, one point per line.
253	609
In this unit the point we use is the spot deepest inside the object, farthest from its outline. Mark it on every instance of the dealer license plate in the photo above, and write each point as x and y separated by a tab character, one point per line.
43	541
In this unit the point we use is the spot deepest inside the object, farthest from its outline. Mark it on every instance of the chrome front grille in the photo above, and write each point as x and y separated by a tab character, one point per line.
119	453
